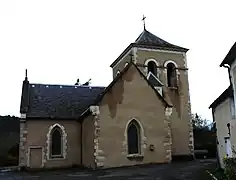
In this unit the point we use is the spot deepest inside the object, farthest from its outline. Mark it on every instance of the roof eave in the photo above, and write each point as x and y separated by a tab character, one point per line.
229	58
179	49
226	94
121	55
50	118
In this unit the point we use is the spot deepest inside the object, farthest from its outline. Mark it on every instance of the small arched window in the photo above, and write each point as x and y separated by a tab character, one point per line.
118	72
152	67
171	75
133	134
56	142
126	64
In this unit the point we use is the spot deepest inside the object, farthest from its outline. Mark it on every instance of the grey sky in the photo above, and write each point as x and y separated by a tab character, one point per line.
59	41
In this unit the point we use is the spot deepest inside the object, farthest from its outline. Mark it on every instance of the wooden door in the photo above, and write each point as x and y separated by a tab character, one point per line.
35	157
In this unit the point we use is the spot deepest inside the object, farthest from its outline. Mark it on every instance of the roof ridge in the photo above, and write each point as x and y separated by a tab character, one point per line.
68	85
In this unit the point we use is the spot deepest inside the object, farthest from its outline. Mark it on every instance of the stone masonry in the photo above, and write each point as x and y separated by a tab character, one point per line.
22	149
167	140
98	153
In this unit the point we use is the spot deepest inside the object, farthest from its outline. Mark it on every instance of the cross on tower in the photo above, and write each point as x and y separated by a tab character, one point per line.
143	19
26	76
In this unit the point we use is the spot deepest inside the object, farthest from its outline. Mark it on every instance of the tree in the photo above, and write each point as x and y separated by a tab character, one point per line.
204	135
198	122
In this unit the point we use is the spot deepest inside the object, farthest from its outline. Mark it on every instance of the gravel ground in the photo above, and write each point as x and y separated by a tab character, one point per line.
193	170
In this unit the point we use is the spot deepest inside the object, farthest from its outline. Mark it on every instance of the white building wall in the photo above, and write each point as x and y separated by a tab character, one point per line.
222	116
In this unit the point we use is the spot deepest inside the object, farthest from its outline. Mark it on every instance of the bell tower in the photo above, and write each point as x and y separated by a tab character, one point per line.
165	66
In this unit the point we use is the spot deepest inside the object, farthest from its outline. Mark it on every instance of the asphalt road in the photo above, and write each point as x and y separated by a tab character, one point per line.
193	170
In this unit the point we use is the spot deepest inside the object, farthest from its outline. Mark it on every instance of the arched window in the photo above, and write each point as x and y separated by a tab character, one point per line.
126	64
171	75
56	142
152	67
118	72
133	134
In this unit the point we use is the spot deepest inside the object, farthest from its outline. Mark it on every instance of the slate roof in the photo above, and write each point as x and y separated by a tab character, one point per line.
226	94
230	57
151	41
42	101
154	80
57	101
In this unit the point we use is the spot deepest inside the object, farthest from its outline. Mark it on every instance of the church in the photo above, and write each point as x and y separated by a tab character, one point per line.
143	116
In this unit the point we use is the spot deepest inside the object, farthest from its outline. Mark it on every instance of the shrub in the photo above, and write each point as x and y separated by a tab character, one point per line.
230	168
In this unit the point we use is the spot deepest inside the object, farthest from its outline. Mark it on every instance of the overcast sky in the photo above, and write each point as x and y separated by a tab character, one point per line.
59	41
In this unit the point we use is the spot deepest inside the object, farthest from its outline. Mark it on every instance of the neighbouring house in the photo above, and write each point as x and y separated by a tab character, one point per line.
223	111
143	116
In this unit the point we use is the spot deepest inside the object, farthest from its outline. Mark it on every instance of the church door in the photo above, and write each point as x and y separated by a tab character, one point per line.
35	157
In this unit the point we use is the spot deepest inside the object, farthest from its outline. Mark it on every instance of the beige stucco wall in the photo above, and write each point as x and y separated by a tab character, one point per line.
88	142
181	120
131	97
35	133
121	65
222	116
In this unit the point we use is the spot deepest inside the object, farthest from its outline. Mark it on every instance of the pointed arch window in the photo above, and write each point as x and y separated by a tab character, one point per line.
56	148
118	72
152	67
171	75
133	134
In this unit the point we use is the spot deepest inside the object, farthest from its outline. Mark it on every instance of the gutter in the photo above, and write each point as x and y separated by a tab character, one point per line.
228	67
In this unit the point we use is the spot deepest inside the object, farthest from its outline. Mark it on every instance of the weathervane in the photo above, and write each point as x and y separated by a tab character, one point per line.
143	19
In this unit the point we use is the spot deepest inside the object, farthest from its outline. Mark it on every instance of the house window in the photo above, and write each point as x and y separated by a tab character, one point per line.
133	134
152	67
171	75
56	142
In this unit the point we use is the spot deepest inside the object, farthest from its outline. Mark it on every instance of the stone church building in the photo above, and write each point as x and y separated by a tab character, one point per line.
141	117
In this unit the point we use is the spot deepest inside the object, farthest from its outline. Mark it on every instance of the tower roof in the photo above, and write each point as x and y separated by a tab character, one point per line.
149	39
